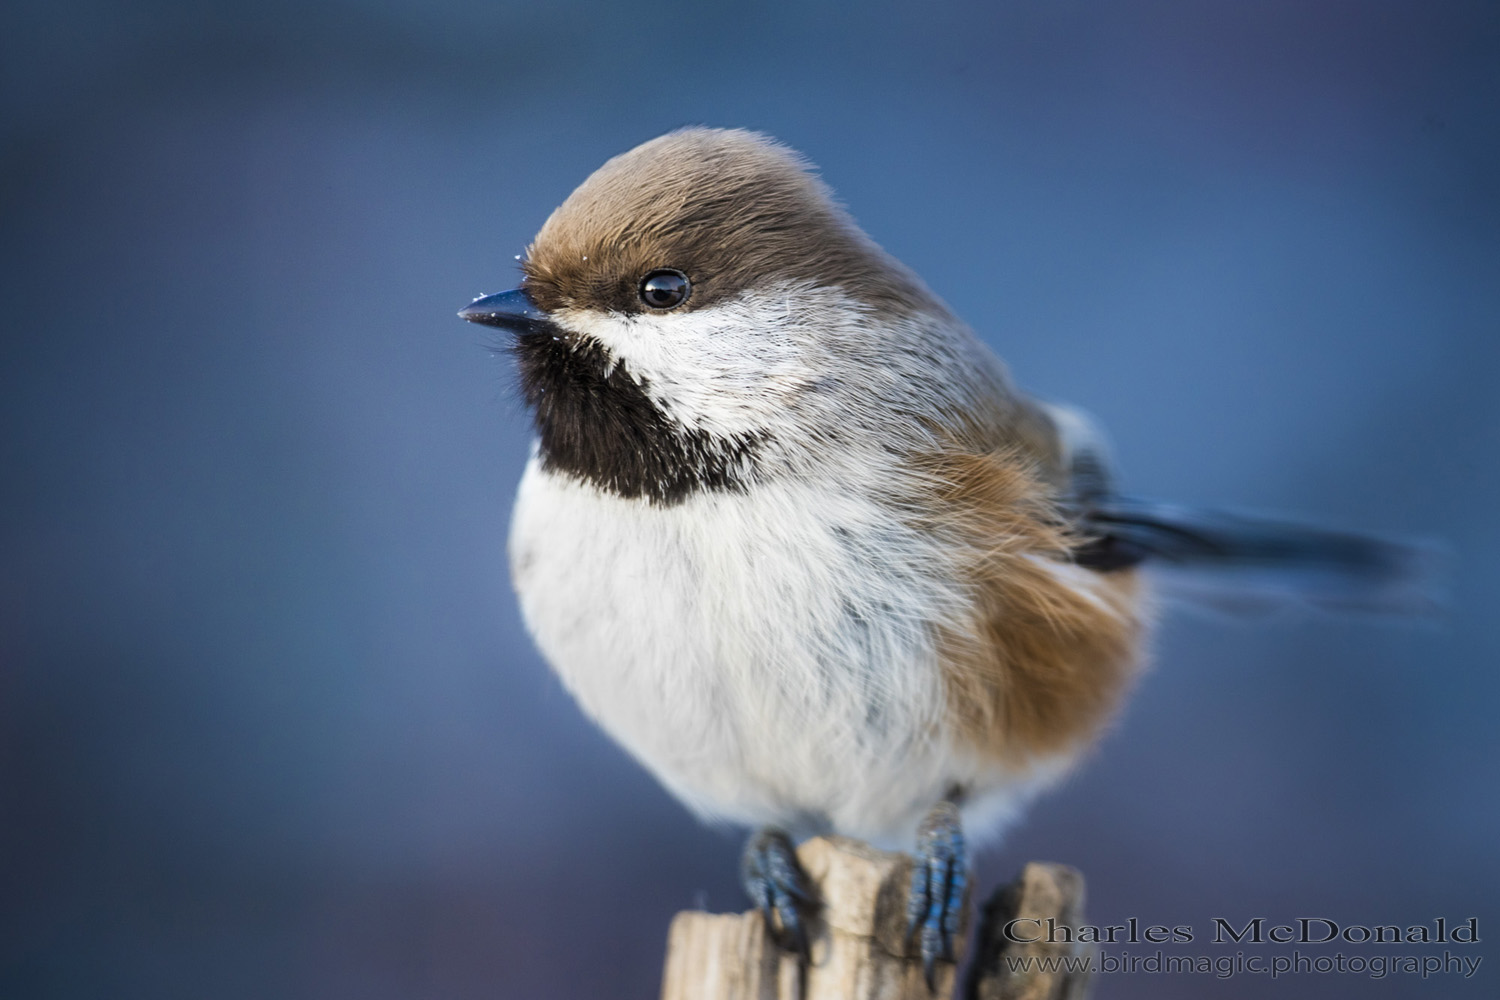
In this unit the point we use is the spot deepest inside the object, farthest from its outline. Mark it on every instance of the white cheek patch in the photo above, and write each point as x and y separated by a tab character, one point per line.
732	368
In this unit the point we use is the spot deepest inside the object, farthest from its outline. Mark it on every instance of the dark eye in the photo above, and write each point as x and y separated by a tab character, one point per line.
665	288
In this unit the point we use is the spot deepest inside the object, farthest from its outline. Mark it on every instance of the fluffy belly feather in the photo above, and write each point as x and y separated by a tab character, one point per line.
771	660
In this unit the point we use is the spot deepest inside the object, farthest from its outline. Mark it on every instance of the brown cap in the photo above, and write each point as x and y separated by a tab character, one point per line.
733	210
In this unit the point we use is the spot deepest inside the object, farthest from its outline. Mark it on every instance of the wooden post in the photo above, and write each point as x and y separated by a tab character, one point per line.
1006	966
857	940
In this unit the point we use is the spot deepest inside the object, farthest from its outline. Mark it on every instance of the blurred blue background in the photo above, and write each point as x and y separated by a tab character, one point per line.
269	723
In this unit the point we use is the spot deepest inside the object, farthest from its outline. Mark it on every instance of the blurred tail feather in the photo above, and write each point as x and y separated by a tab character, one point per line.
1239	562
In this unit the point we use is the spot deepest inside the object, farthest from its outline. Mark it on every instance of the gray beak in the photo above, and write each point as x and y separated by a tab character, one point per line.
513	311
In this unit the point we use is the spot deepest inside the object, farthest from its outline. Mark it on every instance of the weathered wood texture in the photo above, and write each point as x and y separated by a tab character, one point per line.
1006	965
857	940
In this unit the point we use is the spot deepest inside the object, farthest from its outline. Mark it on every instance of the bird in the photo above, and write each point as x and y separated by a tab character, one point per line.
791	534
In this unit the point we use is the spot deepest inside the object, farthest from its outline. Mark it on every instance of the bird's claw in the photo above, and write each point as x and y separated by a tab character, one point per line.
939	879
779	888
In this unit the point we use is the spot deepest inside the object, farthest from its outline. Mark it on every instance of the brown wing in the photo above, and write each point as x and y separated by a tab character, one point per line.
1047	648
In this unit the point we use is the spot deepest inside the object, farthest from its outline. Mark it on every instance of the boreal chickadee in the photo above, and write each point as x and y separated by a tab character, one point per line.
791	536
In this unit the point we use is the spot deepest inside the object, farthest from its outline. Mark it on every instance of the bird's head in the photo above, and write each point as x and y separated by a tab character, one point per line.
701	309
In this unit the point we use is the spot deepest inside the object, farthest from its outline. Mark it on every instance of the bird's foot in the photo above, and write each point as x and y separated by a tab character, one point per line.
934	910
779	888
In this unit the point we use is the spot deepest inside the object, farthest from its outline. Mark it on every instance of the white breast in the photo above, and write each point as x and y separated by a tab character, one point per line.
766	655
